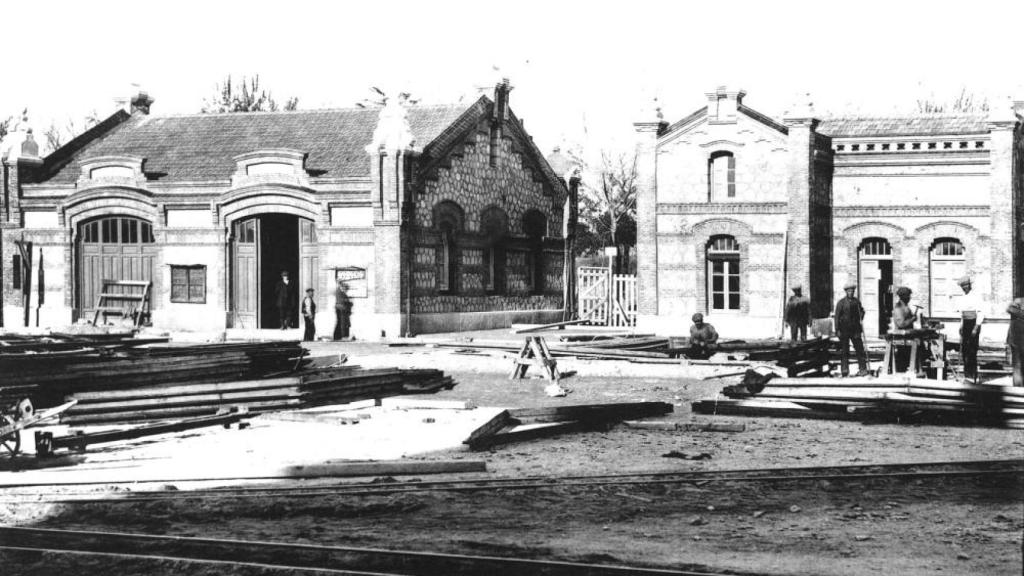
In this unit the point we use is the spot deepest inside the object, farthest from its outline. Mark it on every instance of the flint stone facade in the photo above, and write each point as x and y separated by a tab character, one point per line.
183	200
882	202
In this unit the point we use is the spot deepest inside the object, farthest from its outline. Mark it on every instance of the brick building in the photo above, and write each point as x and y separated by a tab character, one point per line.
735	207
437	217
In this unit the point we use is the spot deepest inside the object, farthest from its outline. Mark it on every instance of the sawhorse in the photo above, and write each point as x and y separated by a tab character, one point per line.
535	352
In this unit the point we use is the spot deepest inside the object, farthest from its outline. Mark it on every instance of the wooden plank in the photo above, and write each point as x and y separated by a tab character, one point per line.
479	438
593	412
547	326
529	432
777	409
685	426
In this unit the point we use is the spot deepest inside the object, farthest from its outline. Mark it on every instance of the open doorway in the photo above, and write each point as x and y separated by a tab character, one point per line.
263	246
875	279
279	252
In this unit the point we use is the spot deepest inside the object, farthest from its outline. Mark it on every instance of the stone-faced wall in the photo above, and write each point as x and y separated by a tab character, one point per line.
476	184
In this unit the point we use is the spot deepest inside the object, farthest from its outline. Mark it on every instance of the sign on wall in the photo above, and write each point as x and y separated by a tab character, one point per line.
354	279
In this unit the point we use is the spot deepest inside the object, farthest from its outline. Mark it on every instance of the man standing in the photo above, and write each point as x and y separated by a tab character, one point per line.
342	312
1015	340
284	299
309	316
798	314
849	318
703	337
903	318
969	306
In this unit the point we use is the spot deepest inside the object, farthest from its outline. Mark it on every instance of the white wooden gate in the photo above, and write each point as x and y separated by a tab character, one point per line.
604	298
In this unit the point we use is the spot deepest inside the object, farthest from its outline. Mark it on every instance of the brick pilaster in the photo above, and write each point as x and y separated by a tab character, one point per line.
646	215
1002	189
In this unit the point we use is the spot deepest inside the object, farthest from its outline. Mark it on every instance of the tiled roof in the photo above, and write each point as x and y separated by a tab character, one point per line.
924	125
200	147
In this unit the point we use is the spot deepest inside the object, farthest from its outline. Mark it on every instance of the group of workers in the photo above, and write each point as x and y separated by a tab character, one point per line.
849	326
285	301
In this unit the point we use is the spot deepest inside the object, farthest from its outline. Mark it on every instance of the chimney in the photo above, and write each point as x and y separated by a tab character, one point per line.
140	102
501	91
723	104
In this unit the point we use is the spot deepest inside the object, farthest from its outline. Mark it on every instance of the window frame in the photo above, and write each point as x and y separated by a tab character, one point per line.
725	250
191	272
715	188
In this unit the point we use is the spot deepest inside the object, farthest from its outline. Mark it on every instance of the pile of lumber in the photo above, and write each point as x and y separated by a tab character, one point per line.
896	398
809	356
56	375
522	424
297	390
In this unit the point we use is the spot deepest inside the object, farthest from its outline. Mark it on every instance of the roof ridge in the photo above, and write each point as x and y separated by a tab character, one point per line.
930	115
294	112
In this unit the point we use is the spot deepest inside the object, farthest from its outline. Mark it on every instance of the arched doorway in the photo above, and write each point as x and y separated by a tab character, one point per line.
874	265
262	247
112	248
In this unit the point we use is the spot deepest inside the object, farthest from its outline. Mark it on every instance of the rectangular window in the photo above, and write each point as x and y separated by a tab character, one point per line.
188	284
16	272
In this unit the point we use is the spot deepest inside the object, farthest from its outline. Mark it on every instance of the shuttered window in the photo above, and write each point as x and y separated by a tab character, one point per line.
188	284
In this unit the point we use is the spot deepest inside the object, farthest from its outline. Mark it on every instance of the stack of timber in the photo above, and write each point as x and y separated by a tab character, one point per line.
893	398
298	390
59	374
522	424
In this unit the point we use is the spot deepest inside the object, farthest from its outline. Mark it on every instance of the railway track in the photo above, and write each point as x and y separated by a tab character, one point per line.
792	474
298	558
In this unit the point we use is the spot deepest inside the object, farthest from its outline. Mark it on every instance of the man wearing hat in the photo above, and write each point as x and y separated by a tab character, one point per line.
284	299
903	318
849	318
798	314
969	306
309	316
703	337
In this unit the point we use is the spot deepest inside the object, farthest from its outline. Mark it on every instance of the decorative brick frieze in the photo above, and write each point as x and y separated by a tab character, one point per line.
723	208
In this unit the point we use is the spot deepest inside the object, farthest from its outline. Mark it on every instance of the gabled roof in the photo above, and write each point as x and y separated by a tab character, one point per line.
201	147
924	125
745	110
458	130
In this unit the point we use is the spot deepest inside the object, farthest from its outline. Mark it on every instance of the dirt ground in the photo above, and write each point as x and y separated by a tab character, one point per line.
922	526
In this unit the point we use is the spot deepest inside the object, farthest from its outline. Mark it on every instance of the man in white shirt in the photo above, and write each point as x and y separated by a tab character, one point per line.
972	314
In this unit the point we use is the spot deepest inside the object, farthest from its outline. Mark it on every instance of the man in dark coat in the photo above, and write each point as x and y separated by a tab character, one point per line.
309	316
1015	339
703	337
342	312
798	314
284	299
849	319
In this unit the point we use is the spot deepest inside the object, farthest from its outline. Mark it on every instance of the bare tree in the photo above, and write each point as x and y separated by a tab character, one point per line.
58	135
608	204
965	102
5	126
245	96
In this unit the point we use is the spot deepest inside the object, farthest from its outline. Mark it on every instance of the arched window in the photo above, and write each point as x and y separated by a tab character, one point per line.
494	228
448	219
946	263
721	176
535	225
723	276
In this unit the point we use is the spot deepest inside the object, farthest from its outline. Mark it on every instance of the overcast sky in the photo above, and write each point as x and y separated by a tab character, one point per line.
572	64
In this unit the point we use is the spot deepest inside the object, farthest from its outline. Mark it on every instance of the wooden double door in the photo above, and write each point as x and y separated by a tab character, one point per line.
112	248
262	248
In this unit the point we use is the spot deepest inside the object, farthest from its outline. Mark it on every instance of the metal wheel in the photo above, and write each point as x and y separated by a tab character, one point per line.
11	443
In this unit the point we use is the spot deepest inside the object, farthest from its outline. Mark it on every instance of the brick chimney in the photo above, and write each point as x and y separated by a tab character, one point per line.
723	104
501	91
